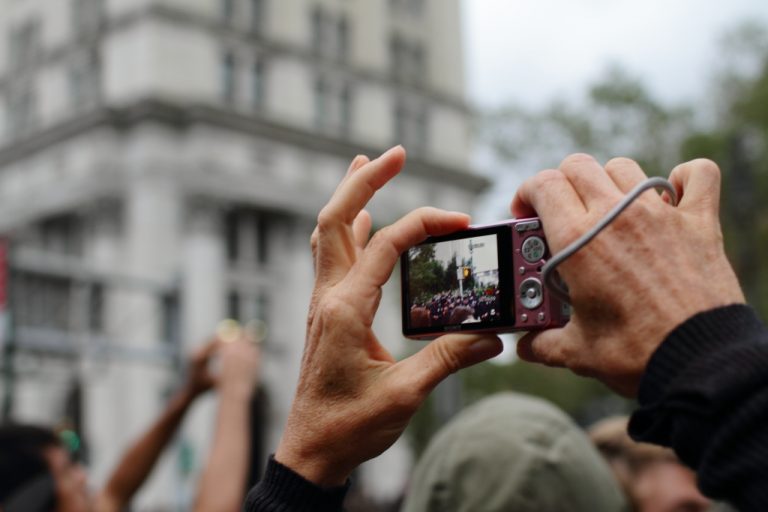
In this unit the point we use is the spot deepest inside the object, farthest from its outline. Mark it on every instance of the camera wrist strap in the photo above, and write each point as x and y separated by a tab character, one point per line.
548	271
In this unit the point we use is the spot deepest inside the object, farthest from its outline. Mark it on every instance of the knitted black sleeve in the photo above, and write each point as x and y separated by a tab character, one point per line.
705	394
283	490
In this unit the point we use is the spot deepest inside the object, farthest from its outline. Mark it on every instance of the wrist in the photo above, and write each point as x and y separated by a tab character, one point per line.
236	390
312	466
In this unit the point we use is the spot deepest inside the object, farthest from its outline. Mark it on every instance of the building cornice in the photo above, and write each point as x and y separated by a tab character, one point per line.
184	116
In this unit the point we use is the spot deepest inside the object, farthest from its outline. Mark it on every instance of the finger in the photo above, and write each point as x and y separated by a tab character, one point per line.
698	186
355	191
548	195
626	174
550	347
380	256
357	162
424	370
590	181
361	228
334	244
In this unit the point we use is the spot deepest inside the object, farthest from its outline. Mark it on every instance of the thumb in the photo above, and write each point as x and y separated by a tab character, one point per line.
425	369
698	185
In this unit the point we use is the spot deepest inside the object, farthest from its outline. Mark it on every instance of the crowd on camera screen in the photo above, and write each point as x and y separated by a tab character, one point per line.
447	308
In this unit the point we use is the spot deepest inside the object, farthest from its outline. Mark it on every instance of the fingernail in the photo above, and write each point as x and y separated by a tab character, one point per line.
391	150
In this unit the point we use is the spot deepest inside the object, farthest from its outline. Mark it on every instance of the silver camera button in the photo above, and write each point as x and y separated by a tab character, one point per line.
531	293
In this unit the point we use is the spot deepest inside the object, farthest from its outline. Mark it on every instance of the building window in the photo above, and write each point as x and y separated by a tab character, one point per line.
247	236
258	16
234	309
21	107
96	307
227	10
261	226
84	81
320	103
342	39
330	34
407	60
411	125
258	85
232	231
63	235
171	318
407	7
86	16
228	78
24	45
42	301
261	309
333	106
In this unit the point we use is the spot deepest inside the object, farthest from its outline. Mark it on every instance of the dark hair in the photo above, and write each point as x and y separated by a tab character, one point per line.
21	455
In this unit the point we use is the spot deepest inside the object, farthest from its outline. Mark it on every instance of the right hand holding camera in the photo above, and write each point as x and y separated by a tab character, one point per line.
650	270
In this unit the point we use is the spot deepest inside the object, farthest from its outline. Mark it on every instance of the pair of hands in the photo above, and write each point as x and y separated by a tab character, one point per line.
650	270
237	372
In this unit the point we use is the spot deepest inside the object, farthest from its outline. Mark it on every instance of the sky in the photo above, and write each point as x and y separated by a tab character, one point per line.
532	51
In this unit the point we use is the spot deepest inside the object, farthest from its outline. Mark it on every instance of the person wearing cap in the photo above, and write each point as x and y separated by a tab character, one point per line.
512	452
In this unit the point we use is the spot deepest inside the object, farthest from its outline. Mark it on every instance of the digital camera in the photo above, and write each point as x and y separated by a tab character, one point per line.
486	278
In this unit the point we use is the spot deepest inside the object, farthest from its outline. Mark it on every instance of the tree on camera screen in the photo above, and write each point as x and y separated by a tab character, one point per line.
454	282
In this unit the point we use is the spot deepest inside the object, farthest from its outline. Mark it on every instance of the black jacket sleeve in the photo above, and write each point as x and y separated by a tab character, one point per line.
283	490
705	394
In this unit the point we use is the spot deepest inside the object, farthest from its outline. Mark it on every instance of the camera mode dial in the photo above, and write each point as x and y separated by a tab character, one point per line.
533	249
531	293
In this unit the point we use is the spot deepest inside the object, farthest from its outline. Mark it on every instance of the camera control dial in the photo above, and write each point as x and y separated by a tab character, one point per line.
531	293
533	249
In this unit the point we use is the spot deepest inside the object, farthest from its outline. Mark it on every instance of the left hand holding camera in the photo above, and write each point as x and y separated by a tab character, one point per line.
353	399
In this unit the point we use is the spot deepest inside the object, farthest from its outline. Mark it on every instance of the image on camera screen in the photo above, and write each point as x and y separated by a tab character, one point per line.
454	282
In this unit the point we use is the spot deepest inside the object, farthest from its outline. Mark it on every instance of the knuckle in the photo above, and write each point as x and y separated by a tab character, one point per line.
618	163
706	166
547	177
325	218
577	160
446	358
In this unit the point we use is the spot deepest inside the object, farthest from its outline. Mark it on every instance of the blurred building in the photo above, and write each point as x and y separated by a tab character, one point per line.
162	163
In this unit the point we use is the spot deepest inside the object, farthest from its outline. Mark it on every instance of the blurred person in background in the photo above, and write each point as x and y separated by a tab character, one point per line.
652	477
38	474
516	453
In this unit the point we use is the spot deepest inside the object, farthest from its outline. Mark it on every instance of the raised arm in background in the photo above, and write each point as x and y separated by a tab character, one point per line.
140	458
222	484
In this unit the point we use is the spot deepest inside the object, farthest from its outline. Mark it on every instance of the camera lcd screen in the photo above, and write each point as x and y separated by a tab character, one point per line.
454	283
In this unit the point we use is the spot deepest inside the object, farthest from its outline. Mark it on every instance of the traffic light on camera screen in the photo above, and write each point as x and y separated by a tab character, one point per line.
467	272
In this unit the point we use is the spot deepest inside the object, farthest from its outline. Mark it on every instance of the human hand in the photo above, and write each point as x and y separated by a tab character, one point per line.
239	372
654	267
353	399
199	377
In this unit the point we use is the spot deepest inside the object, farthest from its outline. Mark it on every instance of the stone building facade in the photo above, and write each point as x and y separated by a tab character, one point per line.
162	163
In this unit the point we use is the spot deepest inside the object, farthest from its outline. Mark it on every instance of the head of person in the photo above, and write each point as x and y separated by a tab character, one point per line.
37	474
652	477
512	453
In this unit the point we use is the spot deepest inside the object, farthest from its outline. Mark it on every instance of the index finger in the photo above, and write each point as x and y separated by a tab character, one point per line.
548	194
357	189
